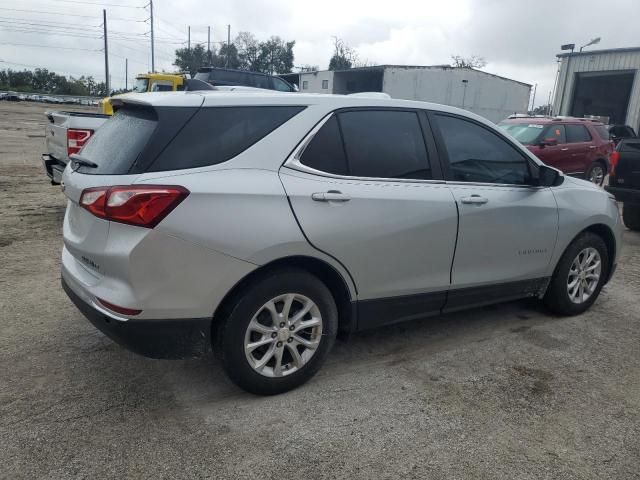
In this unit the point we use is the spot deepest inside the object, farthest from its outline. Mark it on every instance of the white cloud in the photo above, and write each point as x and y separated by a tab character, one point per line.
518	38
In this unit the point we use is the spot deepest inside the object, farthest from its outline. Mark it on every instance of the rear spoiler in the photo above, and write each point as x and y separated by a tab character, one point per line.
194	85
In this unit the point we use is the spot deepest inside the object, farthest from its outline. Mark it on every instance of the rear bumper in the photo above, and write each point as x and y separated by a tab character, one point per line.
53	167
625	195
181	338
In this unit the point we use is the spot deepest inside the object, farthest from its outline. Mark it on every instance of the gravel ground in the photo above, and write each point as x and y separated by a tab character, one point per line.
507	392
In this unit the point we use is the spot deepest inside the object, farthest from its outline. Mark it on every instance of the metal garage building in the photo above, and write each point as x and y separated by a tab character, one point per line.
600	82
491	96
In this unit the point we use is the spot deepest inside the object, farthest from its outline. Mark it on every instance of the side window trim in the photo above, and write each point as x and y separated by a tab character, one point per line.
293	160
444	156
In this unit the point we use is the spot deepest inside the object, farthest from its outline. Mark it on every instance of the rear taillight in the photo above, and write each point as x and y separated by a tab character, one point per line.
76	138
614	158
140	205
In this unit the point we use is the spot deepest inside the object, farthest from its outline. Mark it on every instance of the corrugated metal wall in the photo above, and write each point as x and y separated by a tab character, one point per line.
493	97
623	60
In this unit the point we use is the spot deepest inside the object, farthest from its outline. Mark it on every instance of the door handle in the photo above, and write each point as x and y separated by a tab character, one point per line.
474	200
592	146
564	149
330	196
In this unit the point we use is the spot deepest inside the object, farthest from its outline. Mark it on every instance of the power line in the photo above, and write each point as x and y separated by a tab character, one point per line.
47	46
54	25
98	4
69	14
49	32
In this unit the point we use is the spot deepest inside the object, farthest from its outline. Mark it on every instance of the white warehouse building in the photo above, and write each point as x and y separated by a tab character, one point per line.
604	83
491	96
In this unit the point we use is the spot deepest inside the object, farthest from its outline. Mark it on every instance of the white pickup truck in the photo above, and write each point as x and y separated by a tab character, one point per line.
65	134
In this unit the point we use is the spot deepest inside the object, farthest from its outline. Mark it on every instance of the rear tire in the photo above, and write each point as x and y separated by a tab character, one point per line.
270	313
573	287
631	216
597	173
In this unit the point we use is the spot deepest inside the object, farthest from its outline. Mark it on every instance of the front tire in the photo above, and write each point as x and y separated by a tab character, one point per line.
631	216
579	276
278	333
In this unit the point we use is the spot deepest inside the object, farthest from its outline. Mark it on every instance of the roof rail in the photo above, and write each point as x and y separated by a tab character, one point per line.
370	95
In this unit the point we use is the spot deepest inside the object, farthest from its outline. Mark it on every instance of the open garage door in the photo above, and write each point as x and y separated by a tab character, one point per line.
603	94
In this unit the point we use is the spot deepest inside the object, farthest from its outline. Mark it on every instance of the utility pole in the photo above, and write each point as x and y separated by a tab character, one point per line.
189	37
153	59
208	39
126	74
228	44
106	53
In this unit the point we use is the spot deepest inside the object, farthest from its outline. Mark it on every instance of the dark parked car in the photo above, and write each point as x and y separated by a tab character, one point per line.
226	76
576	146
620	132
624	181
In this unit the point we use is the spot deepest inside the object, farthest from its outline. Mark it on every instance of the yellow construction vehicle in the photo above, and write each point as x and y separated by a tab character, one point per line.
148	82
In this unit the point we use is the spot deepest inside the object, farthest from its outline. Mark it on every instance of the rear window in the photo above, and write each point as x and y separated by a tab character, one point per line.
215	135
118	143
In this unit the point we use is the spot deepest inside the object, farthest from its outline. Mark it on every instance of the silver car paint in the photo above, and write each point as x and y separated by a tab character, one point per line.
238	217
511	237
395	238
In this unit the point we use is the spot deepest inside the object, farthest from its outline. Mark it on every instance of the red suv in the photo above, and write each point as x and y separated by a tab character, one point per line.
575	146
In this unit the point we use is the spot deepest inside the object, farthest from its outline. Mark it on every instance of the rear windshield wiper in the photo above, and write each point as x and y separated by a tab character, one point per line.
82	161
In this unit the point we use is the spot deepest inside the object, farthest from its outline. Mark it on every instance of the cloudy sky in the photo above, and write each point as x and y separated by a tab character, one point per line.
518	38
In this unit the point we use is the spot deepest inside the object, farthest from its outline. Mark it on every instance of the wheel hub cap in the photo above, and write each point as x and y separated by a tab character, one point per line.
283	335
584	275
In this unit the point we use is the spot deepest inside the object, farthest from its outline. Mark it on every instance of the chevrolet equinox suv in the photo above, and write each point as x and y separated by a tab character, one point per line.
260	225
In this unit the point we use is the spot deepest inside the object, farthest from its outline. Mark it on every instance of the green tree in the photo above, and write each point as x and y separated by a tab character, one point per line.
227	57
191	59
344	57
276	56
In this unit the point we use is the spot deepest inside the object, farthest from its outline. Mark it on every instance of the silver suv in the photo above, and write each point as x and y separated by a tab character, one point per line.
260	225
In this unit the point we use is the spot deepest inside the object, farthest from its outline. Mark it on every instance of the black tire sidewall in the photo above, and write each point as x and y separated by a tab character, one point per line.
557	296
230	336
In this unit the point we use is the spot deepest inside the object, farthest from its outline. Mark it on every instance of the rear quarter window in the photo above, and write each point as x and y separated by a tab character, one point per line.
603	133
217	134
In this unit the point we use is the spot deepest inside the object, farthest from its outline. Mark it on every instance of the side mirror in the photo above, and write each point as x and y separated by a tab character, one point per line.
550	142
549	177
296	88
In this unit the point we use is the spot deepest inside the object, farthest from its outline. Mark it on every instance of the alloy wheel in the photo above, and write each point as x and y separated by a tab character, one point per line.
584	275
283	335
596	175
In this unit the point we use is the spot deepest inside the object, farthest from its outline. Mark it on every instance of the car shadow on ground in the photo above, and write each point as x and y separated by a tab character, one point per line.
165	383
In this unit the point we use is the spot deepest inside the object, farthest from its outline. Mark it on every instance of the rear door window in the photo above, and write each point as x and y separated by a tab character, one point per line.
217	134
577	133
384	144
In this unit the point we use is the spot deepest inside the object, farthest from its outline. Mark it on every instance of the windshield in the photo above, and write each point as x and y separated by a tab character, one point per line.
141	86
527	134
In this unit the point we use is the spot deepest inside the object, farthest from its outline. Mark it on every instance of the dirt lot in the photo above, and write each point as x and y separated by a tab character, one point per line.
504	392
